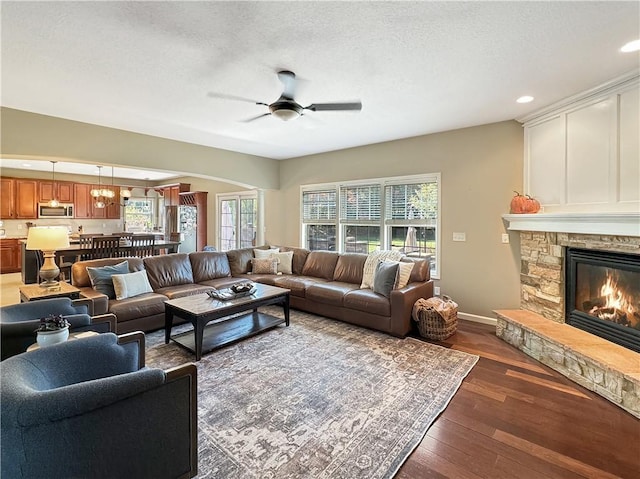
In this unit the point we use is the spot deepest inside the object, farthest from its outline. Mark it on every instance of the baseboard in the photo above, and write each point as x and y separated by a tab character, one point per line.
477	319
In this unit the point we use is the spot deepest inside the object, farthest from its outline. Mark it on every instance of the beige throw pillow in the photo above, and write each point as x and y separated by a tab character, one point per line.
264	253
404	273
264	266
285	259
131	284
372	262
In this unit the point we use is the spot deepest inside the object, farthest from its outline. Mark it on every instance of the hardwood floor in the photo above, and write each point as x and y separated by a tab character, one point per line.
515	418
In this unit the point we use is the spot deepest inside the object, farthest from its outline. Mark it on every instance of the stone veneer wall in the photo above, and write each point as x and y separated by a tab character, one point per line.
542	269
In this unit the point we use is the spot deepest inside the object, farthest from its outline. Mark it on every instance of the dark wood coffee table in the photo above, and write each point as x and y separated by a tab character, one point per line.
200	309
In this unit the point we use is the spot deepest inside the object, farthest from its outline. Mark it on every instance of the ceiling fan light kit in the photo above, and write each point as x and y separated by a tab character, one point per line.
286	108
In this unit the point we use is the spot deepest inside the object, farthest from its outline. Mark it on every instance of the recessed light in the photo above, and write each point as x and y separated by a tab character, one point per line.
633	46
525	99
26	165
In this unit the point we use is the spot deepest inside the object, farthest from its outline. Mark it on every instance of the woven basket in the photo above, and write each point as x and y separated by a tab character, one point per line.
437	318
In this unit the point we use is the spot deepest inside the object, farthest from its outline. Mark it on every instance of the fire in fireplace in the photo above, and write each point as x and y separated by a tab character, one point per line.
603	294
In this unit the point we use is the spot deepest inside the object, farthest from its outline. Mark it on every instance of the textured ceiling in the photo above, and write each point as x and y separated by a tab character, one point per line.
417	67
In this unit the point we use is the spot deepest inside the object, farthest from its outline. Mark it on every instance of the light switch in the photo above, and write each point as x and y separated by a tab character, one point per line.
505	237
459	237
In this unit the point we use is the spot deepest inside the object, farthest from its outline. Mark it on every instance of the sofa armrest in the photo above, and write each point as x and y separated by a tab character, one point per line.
402	301
100	301
83	302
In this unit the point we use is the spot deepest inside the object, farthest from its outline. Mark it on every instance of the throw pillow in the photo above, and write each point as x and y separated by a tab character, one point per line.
264	266
404	273
285	259
264	253
101	277
131	284
372	261
384	278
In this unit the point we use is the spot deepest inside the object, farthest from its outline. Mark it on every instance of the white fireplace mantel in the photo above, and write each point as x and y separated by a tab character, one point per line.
620	224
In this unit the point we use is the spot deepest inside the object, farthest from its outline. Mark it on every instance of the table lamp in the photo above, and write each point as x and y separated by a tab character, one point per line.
48	239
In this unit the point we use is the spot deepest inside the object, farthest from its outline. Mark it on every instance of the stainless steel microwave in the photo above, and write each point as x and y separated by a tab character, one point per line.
63	210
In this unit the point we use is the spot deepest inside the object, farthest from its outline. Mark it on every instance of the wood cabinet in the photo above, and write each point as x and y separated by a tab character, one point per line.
171	193
7	198
10	255
19	199
113	208
82	203
62	191
26	200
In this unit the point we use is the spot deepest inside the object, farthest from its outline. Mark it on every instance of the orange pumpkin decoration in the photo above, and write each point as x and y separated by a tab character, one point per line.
524	204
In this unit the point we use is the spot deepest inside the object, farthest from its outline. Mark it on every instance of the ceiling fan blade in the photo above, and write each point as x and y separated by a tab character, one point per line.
355	106
255	118
288	79
224	96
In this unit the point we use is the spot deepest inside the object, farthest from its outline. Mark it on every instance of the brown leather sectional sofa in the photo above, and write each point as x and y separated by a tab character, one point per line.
323	282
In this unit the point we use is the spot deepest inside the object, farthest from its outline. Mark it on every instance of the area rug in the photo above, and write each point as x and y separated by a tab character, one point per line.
317	399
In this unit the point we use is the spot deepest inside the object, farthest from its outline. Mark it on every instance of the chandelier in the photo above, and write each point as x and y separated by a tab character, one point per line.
100	193
53	202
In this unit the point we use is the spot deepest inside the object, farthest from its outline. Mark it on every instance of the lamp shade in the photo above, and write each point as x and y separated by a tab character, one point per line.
48	238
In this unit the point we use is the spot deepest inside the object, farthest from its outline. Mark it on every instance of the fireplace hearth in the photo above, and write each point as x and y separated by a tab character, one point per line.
602	291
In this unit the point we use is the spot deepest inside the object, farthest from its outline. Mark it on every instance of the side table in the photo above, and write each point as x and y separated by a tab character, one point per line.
83	334
33	292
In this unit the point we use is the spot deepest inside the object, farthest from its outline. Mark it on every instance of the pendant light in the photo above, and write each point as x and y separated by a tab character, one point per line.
53	202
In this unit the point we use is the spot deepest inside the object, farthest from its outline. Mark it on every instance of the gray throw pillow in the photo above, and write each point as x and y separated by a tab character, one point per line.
101	279
384	278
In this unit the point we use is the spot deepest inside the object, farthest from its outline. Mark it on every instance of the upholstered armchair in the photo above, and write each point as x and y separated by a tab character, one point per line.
18	322
89	408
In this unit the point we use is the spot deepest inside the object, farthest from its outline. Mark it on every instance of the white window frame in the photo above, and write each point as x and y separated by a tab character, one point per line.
152	214
238	196
384	223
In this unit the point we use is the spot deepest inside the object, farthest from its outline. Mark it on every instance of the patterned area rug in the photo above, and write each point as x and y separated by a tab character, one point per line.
319	398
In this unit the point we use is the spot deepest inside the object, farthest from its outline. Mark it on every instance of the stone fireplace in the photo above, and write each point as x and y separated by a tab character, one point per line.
546	326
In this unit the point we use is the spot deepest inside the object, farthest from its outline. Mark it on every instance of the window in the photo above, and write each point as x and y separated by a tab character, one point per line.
238	220
139	214
389	213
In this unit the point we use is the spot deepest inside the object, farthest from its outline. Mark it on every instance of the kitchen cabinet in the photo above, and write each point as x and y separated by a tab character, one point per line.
10	255
26	199
7	198
171	193
19	199
61	191
113	208
82	203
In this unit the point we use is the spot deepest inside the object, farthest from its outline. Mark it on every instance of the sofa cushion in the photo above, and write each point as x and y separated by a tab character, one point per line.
384	279
349	268
367	301
180	290
80	277
320	264
421	269
297	284
101	277
147	304
209	265
331	292
240	260
168	270
131	284
299	258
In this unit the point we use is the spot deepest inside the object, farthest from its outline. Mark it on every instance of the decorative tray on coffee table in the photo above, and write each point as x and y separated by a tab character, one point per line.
235	292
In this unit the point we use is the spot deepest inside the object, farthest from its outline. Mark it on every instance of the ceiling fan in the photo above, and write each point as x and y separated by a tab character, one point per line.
286	108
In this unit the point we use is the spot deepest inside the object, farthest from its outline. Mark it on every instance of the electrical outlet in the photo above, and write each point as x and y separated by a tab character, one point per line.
436	290
104	225
19	226
459	237
505	237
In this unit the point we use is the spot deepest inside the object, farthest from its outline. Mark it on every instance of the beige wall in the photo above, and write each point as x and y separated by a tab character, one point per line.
480	167
29	135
